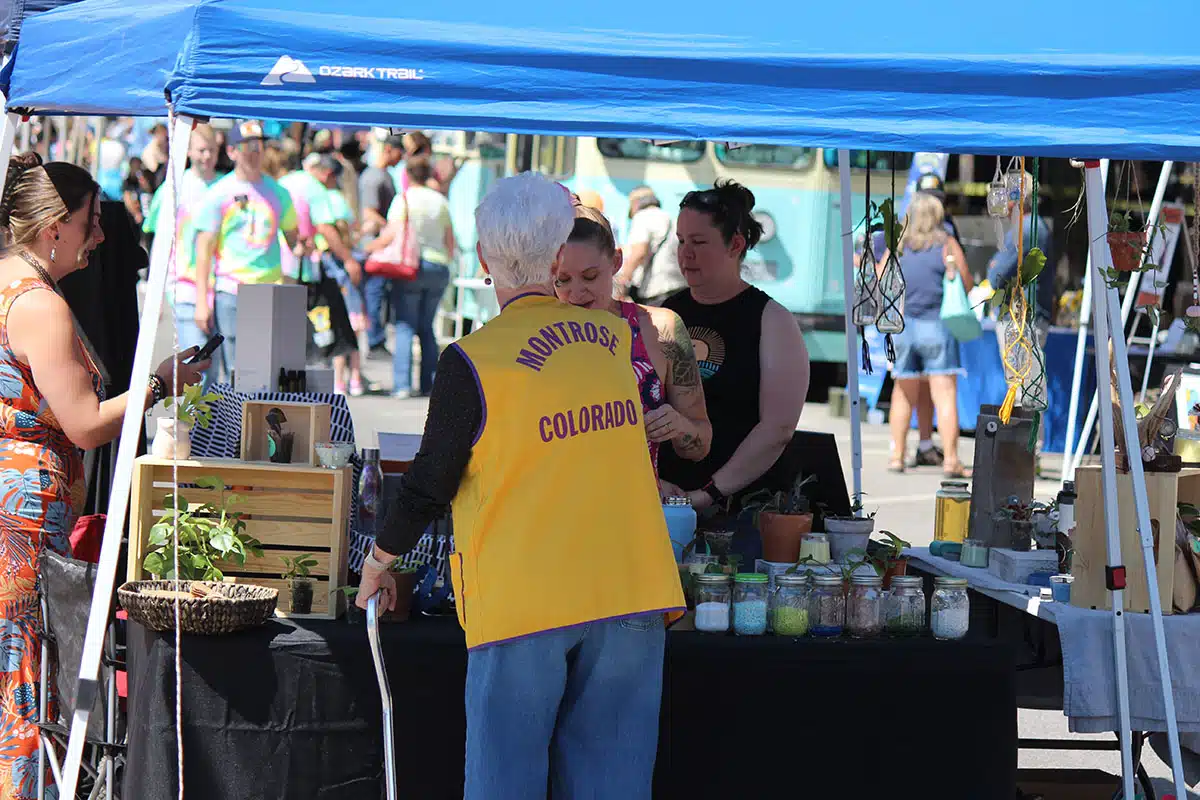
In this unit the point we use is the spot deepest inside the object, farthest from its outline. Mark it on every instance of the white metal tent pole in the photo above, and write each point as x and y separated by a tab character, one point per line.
1098	226
1131	292
8	132
1098	246
1085	318
851	332
118	501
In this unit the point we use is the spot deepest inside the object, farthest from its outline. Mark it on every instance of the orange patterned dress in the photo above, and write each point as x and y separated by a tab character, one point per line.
42	491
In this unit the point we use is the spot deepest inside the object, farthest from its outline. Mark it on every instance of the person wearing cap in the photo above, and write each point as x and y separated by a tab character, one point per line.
564	657
650	271
376	191
239	222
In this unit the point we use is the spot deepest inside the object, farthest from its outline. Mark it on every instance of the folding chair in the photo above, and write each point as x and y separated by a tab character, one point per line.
385	696
66	593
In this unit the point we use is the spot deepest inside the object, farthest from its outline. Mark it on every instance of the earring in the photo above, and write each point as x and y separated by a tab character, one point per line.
53	252
488	280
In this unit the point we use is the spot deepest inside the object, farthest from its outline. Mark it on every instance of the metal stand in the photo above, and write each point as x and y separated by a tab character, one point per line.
851	332
1107	313
385	696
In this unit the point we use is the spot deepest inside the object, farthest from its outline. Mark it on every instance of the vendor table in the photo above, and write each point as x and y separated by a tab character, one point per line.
291	710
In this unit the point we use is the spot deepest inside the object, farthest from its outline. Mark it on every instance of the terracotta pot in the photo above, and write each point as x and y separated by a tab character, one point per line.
781	534
898	568
1126	248
406	582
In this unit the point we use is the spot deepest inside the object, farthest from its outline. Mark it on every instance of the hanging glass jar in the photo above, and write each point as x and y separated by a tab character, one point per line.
864	606
997	195
891	298
1014	181
866	284
789	605
904	607
826	606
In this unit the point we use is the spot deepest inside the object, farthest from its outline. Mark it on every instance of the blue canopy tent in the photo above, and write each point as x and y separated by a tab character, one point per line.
822	75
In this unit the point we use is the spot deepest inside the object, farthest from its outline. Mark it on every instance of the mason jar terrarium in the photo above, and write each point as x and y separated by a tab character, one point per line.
950	609
789	605
712	593
864	606
826	606
750	604
904	607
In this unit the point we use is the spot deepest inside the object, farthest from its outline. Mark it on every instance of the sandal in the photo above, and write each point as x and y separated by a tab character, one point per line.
953	474
896	466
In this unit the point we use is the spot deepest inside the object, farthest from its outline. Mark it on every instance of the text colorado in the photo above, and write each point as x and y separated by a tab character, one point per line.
596	417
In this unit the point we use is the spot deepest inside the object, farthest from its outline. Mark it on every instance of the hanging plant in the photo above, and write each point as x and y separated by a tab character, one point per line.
891	280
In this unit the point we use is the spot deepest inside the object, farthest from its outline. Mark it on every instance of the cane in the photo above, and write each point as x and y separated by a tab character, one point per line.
385	696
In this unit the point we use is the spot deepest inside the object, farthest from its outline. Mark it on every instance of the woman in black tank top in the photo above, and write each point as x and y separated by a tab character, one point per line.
752	358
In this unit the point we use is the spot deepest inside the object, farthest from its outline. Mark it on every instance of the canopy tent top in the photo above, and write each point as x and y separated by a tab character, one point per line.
779	75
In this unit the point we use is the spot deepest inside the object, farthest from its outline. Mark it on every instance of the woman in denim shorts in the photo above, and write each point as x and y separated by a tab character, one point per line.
925	350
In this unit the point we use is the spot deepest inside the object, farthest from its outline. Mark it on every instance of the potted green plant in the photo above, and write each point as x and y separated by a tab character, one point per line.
889	559
297	573
1019	517
782	518
173	438
849	532
208	533
1126	244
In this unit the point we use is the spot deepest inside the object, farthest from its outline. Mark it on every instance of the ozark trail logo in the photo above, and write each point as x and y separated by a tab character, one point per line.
288	70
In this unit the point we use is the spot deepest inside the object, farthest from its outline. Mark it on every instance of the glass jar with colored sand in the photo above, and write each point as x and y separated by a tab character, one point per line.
750	604
712	601
864	605
826	606
789	605
950	609
904	607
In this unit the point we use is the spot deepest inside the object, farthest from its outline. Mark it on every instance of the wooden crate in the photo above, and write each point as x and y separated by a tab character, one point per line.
310	422
290	508
1164	490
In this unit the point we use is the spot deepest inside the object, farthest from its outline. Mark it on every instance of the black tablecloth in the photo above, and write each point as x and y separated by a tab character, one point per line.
292	711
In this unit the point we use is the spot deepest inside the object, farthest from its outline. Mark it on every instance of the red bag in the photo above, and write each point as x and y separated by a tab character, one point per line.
400	260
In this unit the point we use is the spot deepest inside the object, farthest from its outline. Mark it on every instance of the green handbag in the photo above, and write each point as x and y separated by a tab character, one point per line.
957	314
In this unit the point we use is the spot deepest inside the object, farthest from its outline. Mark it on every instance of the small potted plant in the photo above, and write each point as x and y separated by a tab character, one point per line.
782	518
851	532
208	533
1019	517
889	559
1126	244
298	571
174	436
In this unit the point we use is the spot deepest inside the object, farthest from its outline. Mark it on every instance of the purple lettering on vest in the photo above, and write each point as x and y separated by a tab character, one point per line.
576	331
631	412
531	360
585	419
618	413
540	346
597	417
612	346
562	328
571	422
560	425
608	416
544	429
550	336
589	332
603	336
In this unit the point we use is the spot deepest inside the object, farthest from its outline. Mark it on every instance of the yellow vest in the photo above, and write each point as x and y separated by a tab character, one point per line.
557	521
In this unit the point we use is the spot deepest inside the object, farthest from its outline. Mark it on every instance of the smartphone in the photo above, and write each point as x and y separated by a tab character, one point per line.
206	352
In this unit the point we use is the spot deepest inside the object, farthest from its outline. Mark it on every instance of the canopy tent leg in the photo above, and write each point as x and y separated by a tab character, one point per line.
8	132
1107	313
1085	318
851	333
118	501
1131	293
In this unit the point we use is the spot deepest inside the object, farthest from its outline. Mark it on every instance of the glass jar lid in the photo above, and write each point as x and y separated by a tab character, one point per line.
827	580
677	501
950	583
792	579
750	577
956	485
865	579
906	582
711	577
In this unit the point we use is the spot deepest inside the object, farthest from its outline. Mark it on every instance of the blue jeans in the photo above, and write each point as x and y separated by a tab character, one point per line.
224	322
415	304
579	707
375	289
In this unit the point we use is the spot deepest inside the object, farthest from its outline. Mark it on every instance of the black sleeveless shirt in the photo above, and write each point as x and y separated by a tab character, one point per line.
726	338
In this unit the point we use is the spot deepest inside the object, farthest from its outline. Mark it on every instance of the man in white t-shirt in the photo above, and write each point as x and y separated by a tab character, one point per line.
650	263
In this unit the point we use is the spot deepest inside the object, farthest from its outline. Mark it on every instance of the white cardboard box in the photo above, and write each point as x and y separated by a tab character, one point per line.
1015	566
272	334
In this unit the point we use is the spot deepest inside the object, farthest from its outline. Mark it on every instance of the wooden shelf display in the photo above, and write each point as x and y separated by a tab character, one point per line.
308	423
1164	490
290	508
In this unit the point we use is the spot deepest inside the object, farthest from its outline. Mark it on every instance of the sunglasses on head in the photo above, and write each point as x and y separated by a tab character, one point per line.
702	198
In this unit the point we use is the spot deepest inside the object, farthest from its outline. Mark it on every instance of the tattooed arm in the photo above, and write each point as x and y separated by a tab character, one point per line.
684	420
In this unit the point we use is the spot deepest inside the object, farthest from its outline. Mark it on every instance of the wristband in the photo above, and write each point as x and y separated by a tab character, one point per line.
713	492
158	389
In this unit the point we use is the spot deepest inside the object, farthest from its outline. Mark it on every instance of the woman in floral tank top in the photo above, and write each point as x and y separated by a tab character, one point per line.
662	356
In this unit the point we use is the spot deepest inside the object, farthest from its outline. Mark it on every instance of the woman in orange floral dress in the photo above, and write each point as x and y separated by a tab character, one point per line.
51	405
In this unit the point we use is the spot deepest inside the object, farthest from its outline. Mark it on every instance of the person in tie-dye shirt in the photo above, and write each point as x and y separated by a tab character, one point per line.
181	284
239	223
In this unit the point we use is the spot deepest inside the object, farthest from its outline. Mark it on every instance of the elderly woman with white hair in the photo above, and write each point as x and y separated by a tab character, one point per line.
528	415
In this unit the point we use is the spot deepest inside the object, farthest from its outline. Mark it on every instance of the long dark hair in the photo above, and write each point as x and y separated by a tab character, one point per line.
731	207
36	196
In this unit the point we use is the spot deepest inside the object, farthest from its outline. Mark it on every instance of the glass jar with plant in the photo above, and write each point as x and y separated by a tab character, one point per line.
849	532
208	533
782	518
297	573
173	437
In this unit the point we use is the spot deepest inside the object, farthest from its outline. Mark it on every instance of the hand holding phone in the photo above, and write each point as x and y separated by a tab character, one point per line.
205	353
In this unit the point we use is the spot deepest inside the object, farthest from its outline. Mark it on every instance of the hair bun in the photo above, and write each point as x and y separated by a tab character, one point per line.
18	165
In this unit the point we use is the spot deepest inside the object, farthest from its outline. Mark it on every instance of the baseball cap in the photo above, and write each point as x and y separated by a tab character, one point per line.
322	161
245	130
931	183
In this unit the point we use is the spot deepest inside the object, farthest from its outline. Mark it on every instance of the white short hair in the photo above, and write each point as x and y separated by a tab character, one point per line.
521	225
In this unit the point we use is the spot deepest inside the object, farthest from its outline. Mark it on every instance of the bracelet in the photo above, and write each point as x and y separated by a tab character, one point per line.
712	491
158	389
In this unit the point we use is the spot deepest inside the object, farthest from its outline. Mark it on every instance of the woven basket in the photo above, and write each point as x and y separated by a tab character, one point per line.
230	606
